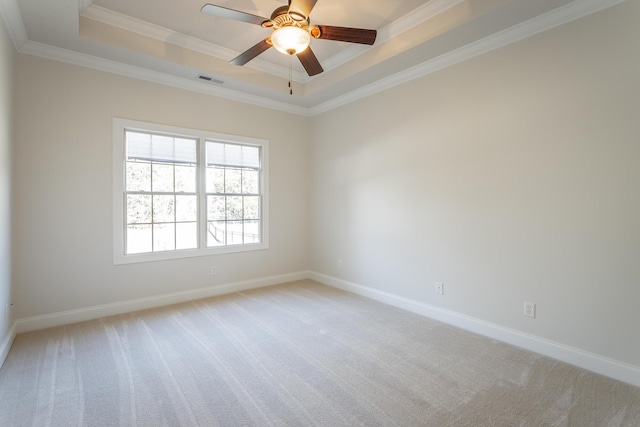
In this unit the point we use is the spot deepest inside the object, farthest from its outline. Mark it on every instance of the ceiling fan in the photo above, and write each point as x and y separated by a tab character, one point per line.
292	32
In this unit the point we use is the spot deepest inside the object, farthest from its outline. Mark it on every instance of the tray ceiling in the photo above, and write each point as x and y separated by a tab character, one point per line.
172	42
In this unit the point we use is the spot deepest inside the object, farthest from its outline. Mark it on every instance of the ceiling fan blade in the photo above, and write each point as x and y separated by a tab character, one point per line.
345	34
251	53
310	62
223	12
302	7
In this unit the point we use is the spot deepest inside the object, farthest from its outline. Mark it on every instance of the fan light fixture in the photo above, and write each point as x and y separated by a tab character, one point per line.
290	39
291	34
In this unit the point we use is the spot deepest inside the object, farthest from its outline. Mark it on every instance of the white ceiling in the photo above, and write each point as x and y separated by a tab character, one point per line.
171	42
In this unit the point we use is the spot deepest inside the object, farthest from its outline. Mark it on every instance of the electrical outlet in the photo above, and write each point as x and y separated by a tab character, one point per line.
339	264
7	311
530	309
214	270
439	288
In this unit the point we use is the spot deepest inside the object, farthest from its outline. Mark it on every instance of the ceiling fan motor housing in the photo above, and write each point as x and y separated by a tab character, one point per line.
281	17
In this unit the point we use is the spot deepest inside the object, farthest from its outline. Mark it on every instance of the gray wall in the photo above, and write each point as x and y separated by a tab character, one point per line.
510	177
6	73
63	182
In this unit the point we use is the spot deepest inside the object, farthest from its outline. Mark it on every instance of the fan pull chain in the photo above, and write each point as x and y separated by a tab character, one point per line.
290	74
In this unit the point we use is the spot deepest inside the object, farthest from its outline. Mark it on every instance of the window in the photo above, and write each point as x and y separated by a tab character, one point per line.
183	192
233	196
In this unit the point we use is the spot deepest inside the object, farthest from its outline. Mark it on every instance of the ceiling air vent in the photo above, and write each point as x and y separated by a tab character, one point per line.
209	79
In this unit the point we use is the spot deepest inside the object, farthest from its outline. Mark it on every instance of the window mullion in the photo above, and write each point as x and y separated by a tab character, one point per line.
153	228
202	193
175	210
243	219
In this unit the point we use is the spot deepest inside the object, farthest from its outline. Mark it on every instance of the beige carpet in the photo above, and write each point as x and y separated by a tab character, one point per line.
298	354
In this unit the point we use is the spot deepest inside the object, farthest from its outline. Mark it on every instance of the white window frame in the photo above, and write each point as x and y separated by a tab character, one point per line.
120	126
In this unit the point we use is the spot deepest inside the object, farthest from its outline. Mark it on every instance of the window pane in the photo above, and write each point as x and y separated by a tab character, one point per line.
215	153
215	180
234	207
138	176
164	237
138	239
252	232
138	146
161	148
249	181
163	209
175	150
233	181
234	232
185	150
162	144
162	177
232	155
185	179
187	235
186	208
215	208
138	209
250	156
251	207
216	231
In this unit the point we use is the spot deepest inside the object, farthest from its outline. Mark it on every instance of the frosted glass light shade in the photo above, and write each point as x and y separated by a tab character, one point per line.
290	40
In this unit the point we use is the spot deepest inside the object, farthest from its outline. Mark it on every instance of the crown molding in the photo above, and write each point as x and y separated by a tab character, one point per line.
572	11
425	12
533	26
88	61
156	32
106	16
144	28
13	19
83	4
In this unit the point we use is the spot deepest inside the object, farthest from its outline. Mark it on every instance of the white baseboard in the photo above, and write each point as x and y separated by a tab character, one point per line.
602	365
6	344
88	313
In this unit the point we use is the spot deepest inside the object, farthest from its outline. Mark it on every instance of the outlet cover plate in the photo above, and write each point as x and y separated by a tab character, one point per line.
529	309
